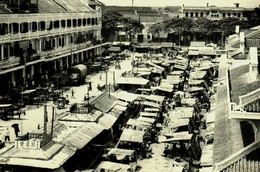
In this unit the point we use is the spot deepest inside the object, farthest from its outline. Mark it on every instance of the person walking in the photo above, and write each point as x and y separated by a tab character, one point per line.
72	94
7	135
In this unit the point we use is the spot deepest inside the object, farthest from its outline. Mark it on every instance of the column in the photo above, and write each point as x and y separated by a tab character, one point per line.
67	62
2	51
8	51
13	79
77	57
40	45
81	57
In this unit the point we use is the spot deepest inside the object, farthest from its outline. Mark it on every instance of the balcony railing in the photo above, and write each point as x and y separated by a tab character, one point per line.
12	61
237	112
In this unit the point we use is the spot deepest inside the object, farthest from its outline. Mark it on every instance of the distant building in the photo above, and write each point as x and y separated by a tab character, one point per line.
46	37
212	12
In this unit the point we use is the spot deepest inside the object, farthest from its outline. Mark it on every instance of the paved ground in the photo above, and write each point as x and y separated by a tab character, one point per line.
34	115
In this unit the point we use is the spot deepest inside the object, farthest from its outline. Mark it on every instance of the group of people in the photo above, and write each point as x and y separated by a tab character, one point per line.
7	133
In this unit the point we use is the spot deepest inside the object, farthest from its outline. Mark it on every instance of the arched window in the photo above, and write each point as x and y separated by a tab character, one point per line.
74	23
49	25
68	23
79	22
63	23
34	26
56	24
92	21
41	26
88	21
84	22
24	27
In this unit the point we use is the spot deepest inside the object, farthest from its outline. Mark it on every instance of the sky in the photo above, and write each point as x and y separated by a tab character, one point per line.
161	3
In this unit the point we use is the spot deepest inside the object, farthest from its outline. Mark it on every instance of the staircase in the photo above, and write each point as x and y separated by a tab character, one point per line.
246	160
244	165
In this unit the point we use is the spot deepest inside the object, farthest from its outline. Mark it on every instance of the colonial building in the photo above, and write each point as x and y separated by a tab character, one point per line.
46	39
212	12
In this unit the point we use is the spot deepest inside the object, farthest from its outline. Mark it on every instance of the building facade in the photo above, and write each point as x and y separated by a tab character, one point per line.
212	12
35	46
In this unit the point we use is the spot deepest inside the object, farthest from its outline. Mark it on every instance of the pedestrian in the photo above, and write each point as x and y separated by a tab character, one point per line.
90	86
16	129
72	94
7	134
67	99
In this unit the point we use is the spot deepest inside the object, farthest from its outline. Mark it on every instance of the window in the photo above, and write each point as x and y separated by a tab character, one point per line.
224	15
24	27
196	14
234	14
201	14
187	14
34	26
74	23
191	14
84	22
49	25
68	23
88	21
63	23
238	15
71	39
79	22
228	14
92	21
56	24
41	26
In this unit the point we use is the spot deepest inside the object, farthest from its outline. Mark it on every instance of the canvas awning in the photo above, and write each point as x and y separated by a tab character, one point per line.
148	114
151	104
169	90
126	96
195	89
155	65
145	119
153	110
195	82
193	53
178	123
112	166
155	98
114	49
130	135
132	81
180	137
180	67
139	123
120	154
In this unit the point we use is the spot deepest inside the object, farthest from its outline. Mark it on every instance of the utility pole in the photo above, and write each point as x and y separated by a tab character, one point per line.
52	121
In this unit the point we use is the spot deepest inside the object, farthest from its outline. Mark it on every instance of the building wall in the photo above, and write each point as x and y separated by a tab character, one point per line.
51	41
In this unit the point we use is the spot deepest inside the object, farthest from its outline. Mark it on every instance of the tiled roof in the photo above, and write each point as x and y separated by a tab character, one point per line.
62	6
227	138
241	83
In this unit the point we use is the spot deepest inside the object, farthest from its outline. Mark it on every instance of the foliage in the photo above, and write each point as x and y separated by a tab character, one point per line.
112	19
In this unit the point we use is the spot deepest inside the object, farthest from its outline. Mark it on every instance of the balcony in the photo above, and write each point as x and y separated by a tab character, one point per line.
237	112
11	62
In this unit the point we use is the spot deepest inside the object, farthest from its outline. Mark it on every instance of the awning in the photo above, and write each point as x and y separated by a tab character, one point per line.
181	137
107	121
154	65
126	96
148	114
193	53
132	81
151	110
145	119
178	123
112	166
195	82
155	98
151	104
162	89
181	67
83	135
130	135
114	49
120	153
195	89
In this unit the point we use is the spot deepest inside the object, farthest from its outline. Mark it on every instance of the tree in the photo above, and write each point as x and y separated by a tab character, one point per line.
112	19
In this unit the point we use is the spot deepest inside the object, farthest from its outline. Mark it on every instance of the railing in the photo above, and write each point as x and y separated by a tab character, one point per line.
237	156
237	112
12	61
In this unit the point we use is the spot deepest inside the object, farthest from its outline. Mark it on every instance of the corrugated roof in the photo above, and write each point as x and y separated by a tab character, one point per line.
112	166
130	135
132	81
105	102
83	135
49	6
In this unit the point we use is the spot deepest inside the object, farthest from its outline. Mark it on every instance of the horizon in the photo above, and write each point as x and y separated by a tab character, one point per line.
165	3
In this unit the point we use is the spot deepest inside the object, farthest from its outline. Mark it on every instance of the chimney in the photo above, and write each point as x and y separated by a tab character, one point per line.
237	5
253	58
207	4
242	42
